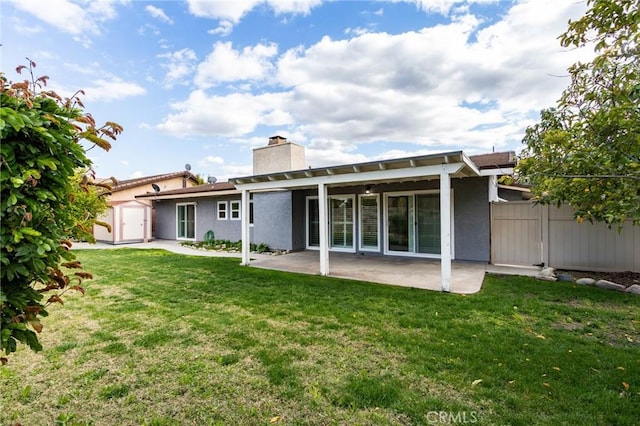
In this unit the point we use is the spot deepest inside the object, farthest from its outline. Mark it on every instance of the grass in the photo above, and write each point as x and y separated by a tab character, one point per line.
164	339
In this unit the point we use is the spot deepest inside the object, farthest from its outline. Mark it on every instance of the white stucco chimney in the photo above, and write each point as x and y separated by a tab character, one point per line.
278	156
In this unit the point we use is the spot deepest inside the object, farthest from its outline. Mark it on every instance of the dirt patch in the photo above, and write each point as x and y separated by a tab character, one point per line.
626	278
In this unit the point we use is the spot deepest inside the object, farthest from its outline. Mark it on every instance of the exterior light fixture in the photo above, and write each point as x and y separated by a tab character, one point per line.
367	189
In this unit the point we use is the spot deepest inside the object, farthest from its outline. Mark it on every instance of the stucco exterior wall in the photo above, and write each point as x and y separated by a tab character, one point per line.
206	219
165	228
278	158
471	212
273	219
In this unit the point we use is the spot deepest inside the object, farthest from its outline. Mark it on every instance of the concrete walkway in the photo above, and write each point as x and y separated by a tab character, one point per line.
169	245
467	277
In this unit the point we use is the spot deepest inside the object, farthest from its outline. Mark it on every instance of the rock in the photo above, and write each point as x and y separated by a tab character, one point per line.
565	277
547	274
635	289
610	285
586	281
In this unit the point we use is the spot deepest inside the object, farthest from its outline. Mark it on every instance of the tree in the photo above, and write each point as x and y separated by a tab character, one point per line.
586	150
89	201
41	148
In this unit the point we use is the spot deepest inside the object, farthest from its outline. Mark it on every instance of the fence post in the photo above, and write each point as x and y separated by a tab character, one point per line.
544	230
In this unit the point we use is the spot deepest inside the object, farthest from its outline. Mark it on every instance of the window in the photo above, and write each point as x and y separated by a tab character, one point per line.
222	210
313	222
341	224
341	220
251	209
235	210
186	221
369	222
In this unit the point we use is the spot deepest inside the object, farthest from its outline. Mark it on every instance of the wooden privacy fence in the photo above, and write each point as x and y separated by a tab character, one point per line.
525	234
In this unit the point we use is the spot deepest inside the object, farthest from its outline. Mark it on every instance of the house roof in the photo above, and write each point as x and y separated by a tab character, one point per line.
218	188
397	169
477	165
121	185
494	160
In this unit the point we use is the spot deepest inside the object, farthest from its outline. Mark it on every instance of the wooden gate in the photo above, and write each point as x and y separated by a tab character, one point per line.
516	233
526	234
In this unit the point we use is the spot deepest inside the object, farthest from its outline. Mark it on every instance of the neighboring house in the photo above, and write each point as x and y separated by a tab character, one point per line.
132	220
419	206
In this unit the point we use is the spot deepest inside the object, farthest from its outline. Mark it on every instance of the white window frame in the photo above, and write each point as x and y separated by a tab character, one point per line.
237	211
385	226
354	237
360	234
351	249
195	221
219	211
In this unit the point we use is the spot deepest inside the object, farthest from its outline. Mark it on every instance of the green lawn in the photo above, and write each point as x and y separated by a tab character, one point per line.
163	339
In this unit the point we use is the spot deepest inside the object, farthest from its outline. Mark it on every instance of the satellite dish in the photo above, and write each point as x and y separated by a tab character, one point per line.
155	187
187	167
212	179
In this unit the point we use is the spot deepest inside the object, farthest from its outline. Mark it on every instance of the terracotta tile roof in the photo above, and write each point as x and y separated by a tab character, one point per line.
147	180
494	160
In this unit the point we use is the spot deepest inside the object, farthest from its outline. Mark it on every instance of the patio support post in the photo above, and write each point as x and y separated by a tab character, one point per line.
324	234
246	240
445	230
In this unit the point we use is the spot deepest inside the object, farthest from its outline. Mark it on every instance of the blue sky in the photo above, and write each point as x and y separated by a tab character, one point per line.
204	82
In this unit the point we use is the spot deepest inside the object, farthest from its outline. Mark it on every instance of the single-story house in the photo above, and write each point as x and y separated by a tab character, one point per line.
132	220
431	206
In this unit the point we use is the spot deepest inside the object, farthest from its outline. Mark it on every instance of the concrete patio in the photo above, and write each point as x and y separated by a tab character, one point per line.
421	273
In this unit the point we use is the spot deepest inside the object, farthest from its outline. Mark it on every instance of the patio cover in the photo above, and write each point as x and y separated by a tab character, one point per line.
444	167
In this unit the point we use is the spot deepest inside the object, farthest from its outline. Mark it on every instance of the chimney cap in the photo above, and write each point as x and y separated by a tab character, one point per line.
277	139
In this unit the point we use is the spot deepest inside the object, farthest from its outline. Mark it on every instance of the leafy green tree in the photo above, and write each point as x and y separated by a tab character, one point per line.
41	148
586	150
89	201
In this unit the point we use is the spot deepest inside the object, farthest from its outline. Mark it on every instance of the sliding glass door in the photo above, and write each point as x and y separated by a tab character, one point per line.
341	223
186	221
413	223
428	223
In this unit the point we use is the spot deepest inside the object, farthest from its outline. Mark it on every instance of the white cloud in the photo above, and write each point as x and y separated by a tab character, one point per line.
462	84
179	65
232	171
78	18
231	12
112	90
224	28
136	174
212	159
158	13
224	64
356	31
124	162
443	7
232	115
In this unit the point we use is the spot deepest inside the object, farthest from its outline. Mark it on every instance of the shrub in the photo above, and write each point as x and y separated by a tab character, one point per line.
41	150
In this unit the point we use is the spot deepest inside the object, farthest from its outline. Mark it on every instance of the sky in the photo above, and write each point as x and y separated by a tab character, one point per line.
204	82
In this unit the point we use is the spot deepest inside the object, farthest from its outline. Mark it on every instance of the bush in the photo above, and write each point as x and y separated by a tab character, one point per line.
41	149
